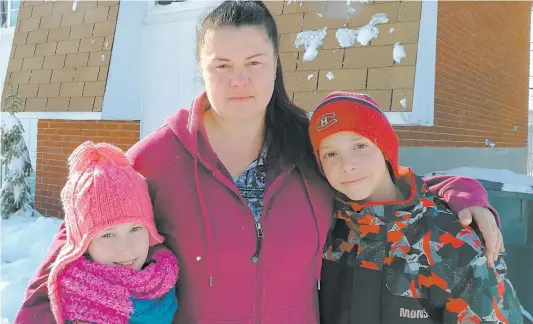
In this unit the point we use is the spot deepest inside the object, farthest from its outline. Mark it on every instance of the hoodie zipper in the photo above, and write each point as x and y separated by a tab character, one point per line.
258	300
259	232
259	240
260	235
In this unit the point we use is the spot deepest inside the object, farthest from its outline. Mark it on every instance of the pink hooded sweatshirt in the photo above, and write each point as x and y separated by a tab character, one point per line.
210	228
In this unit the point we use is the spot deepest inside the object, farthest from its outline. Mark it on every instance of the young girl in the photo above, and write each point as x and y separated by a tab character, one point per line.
112	268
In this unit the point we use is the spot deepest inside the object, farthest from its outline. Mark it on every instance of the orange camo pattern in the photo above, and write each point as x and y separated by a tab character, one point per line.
408	238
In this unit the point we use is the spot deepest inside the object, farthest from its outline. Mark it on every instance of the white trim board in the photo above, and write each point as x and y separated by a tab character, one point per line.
123	93
67	115
7	30
423	110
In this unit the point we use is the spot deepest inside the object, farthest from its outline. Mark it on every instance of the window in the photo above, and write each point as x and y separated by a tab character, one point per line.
9	10
167	2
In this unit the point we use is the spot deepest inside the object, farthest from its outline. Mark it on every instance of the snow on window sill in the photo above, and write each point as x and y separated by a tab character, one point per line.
7	30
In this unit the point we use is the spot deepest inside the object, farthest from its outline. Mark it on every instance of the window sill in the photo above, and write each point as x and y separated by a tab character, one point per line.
156	14
7	30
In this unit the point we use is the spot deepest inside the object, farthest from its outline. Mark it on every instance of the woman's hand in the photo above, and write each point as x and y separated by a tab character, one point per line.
486	222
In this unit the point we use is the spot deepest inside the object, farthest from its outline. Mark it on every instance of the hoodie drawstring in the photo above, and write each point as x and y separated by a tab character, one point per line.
207	223
317	220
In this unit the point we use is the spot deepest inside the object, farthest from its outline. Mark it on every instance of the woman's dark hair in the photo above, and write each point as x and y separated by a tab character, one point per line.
286	125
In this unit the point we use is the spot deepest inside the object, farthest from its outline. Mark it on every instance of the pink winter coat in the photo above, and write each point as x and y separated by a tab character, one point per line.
211	229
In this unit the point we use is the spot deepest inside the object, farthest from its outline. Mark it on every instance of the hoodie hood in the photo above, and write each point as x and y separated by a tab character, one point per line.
188	126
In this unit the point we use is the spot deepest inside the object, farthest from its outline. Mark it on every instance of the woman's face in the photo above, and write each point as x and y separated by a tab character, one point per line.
238	66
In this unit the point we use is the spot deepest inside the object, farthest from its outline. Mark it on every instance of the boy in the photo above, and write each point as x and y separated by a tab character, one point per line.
393	253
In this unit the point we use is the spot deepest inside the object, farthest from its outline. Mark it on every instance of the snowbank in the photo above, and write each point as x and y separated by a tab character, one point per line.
512	182
24	241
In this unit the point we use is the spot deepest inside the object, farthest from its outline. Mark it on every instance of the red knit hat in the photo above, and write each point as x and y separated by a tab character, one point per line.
346	111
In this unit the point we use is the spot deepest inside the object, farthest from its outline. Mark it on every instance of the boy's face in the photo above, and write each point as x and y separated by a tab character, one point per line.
124	245
354	165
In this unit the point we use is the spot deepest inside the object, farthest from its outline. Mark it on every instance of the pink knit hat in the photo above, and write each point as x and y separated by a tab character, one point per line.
102	190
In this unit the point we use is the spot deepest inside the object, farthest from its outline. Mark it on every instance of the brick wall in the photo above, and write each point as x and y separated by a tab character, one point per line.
482	69
370	69
57	139
60	56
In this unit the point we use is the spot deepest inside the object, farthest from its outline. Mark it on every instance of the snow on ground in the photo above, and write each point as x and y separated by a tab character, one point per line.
24	241
513	182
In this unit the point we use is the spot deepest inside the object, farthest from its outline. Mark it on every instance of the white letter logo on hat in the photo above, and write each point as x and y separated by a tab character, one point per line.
325	121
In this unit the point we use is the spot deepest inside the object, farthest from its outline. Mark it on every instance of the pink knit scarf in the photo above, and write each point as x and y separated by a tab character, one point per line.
97	293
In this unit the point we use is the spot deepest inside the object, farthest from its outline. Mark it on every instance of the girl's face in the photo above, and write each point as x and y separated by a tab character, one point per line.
124	245
239	68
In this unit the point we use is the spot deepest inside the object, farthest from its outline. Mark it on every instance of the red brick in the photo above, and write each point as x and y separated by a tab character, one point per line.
478	95
57	139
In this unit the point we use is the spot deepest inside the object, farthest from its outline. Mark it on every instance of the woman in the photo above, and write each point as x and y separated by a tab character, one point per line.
235	187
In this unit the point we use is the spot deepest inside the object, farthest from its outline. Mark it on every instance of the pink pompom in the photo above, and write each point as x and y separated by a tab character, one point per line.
88	153
94	157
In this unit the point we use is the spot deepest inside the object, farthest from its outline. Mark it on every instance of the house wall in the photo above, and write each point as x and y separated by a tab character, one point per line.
481	90
478	95
56	141
370	69
6	41
59	65
60	56
481	74
530	107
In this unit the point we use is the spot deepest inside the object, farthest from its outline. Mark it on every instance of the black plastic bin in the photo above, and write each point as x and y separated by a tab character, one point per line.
516	217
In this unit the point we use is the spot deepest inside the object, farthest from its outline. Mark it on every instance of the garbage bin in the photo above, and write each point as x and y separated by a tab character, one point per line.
516	217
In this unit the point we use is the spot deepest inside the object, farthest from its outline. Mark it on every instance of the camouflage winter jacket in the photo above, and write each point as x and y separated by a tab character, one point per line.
410	262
